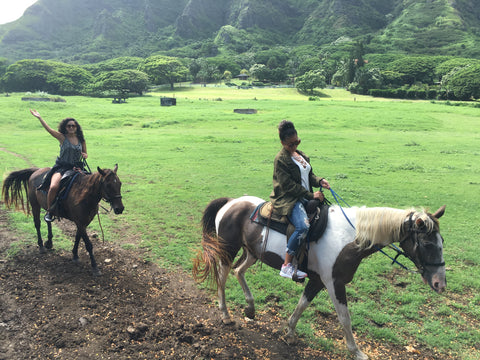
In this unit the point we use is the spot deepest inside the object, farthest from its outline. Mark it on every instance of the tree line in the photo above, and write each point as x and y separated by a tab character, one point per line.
388	75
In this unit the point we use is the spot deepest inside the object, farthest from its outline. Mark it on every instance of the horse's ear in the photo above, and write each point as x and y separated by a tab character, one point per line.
438	214
100	171
420	223
115	168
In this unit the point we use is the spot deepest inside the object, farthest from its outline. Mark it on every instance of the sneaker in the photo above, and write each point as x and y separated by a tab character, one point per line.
288	272
48	217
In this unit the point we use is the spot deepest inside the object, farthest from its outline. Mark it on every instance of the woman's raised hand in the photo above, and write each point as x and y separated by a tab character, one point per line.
35	113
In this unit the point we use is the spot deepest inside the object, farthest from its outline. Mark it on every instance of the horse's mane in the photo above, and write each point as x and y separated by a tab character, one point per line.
88	183
382	226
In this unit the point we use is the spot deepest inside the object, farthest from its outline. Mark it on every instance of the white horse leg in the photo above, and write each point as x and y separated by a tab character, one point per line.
344	317
314	285
290	337
240	274
222	279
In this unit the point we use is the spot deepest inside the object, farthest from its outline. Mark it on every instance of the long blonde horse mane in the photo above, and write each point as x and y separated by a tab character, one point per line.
383	226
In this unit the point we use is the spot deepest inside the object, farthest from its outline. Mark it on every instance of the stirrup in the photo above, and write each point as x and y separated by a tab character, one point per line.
48	217
295	276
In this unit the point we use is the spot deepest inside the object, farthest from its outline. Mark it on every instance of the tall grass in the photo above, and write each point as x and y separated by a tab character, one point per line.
174	160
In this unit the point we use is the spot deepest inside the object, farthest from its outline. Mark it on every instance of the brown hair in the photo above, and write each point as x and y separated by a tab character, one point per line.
62	127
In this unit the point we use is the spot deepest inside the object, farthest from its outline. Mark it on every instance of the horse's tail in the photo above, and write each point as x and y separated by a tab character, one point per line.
15	186
214	250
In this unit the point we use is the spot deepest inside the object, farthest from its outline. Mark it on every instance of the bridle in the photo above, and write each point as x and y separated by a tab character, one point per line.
105	196
413	233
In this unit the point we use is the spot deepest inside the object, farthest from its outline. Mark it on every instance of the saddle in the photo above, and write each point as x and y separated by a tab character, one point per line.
317	213
66	183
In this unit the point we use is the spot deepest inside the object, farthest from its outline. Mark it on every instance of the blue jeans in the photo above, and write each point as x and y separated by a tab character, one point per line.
299	219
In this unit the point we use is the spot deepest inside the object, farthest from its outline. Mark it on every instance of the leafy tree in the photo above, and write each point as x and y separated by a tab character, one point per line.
164	69
260	72
272	63
327	66
194	67
445	67
227	76
345	72
123	81
3	65
120	63
26	75
3	68
278	75
223	64
357	54
416	69
208	49
392	78
65	79
309	64
208	71
464	82
272	58
367	79
45	75
311	80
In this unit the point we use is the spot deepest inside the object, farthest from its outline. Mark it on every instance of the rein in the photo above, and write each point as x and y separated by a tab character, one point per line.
392	246
107	199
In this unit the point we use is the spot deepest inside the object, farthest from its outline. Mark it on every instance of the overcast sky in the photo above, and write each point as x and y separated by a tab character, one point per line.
11	10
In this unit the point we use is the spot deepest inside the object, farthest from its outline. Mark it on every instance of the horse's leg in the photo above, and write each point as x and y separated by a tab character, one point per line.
240	274
89	247
339	298
34	203
49	243
223	271
78	236
314	285
37	222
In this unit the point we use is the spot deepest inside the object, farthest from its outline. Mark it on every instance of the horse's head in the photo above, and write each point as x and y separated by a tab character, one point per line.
111	186
423	245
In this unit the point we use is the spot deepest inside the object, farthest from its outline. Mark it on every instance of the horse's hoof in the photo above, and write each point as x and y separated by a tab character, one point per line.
249	313
289	339
42	249
49	245
361	356
96	272
228	321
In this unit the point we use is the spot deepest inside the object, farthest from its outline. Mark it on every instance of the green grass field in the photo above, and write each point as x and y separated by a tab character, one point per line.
374	152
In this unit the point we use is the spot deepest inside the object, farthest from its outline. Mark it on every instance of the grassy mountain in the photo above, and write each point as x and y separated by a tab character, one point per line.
93	30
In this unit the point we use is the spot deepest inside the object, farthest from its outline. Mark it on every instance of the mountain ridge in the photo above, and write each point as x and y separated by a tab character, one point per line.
95	30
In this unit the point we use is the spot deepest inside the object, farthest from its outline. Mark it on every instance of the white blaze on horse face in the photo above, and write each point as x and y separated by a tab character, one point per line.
439	282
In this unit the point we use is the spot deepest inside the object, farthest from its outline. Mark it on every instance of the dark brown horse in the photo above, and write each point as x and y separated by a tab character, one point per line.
79	206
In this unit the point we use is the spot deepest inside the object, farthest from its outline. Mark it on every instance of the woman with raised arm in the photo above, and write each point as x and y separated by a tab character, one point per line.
73	150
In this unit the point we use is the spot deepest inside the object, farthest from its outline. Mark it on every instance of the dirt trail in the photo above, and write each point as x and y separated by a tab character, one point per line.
51	308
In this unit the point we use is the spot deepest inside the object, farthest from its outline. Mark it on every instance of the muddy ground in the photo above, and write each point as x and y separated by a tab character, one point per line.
52	308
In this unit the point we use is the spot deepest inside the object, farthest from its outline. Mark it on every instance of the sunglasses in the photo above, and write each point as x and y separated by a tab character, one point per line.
71	126
295	143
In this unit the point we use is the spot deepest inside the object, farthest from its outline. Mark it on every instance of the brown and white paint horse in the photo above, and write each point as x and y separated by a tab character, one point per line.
332	259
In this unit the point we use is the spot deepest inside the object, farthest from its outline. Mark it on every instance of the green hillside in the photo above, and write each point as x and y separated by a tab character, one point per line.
94	30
